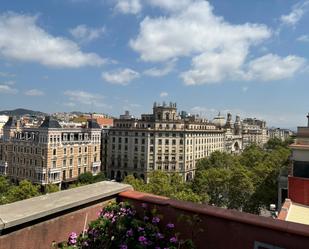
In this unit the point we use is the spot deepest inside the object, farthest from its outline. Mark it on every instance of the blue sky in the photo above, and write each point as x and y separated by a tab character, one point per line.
245	57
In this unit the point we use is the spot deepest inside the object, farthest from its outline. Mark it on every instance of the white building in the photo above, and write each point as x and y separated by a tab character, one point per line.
162	141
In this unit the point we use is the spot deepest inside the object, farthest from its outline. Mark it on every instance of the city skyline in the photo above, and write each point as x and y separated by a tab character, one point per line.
131	53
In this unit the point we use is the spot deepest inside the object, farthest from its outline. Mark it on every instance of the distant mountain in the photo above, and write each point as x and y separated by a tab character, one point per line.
21	112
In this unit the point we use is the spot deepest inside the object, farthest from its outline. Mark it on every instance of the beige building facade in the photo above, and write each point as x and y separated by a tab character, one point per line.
161	141
49	153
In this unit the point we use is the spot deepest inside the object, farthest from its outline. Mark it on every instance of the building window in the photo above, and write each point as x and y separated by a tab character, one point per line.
71	173
54	164
78	171
63	175
64	151
71	162
54	152
64	163
79	150
71	150
85	149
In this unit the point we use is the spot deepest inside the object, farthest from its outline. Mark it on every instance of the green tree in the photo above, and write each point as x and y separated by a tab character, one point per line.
99	177
24	190
240	188
252	156
51	188
216	185
85	178
217	159
137	184
5	185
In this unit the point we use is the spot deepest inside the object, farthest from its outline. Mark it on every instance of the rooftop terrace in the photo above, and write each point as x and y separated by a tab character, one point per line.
41	221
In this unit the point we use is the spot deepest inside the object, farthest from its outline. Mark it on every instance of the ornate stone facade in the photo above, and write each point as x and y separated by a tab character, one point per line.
162	141
49	153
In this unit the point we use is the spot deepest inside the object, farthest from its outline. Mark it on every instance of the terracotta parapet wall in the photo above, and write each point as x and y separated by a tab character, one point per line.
38	222
284	210
224	228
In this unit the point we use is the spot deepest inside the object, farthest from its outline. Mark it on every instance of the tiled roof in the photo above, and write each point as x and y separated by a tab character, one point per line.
50	123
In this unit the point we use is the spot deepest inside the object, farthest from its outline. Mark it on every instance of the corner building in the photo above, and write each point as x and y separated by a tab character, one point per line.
49	153
163	141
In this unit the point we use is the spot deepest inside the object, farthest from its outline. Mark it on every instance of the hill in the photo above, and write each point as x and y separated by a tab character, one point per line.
21	112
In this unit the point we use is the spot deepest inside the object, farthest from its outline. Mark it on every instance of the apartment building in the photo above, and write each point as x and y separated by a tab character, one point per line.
162	141
281	134
241	133
298	179
49	153
254	131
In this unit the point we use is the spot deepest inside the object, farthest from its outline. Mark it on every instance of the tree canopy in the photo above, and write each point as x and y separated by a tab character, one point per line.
246	182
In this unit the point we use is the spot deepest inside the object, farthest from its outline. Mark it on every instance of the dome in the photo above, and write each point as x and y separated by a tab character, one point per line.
219	120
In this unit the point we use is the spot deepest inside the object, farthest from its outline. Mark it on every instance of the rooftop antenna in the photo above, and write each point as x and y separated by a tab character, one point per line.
91	109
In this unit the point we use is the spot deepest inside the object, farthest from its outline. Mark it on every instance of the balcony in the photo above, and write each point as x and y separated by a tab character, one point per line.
35	223
96	164
40	170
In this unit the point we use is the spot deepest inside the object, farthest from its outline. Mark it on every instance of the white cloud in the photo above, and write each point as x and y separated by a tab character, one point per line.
159	72
303	38
215	67
163	94
7	89
7	74
78	97
298	10
194	29
128	6
171	5
272	67
9	82
120	76
204	111
219	50
70	104
84	34
34	92
22	39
